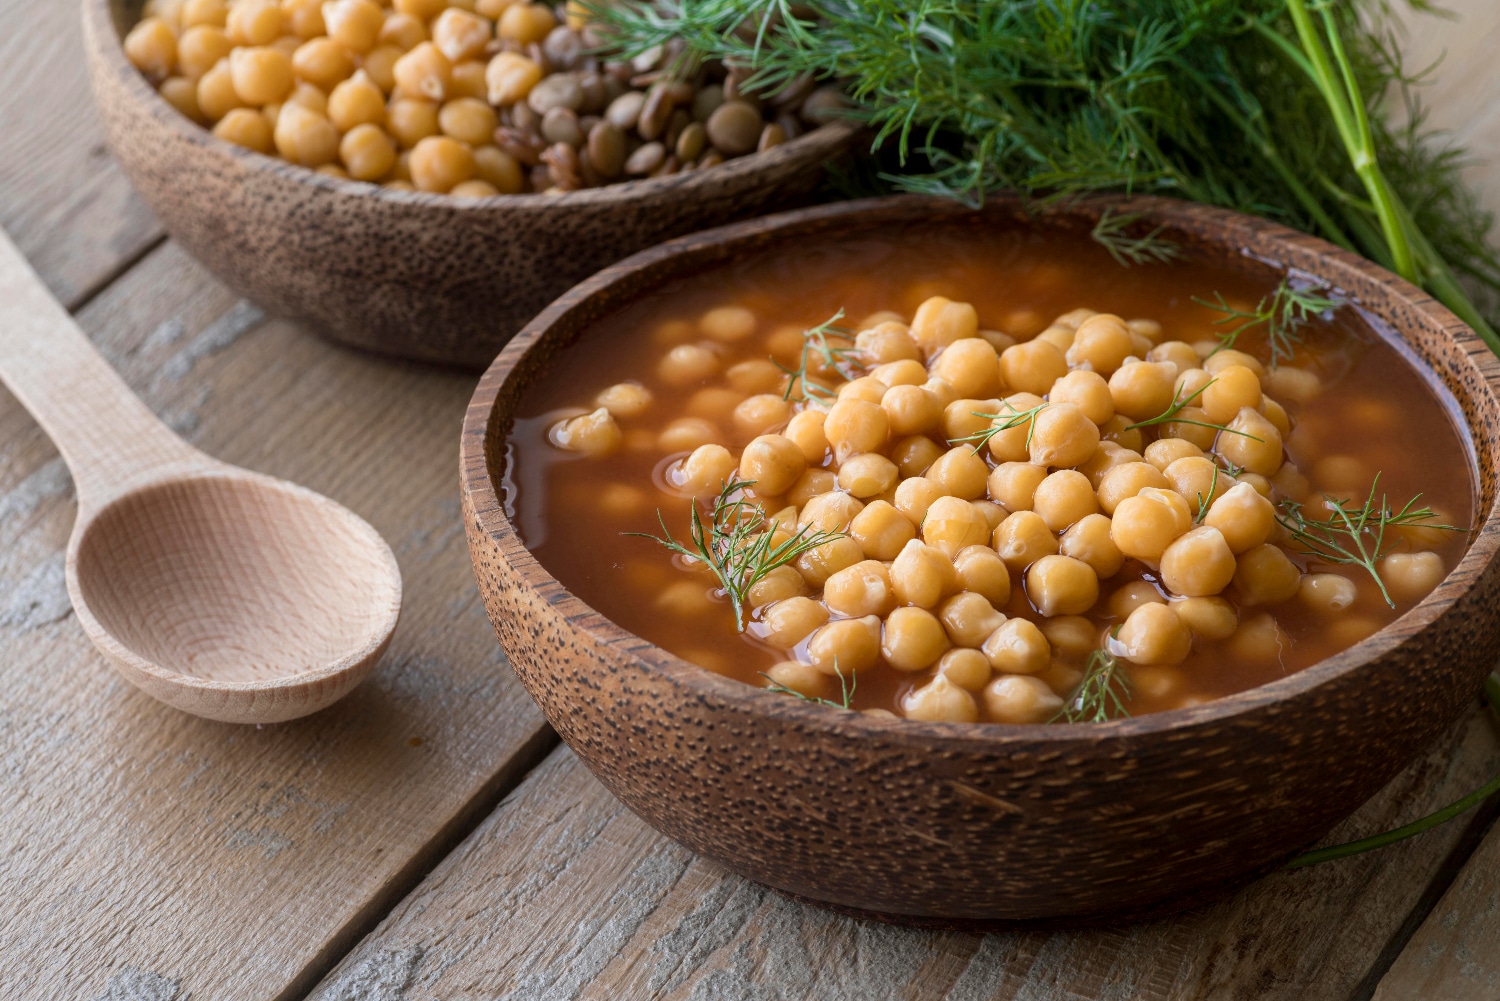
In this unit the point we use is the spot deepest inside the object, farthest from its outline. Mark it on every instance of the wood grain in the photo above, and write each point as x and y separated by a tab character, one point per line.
563	893
145	848
62	196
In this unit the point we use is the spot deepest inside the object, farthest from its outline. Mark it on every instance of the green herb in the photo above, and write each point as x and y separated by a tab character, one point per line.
846	689
737	543
1355	536
1171	416
815	345
1112	233
1273	107
1102	693
1213	485
1014	419
1282	313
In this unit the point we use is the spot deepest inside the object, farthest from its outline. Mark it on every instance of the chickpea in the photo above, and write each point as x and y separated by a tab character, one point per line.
246	128
625	399
1213	618
1234	388
322	62
687	364
1013	485
855	426
1178	353
686	433
1141	390
424	72
868	475
1165	451
1144	525
910	410
1327	593
369	154
253	22
863	589
1243	516
1071	636
1290	481
980	570
1265	576
467	119
921	575
1061	585
1412	576
778	584
804	679
410	121
773	463
304	136
913	639
1296	385
1198	563
308	96
940	701
595	434
685	599
885	342
812	483
915	454
940	322
1198	480
1107	456
1032	367
968	669
1088	391
1118	430
1258	638
422	10
460	34
758	414
1017	647
830	512
210	12
904	372
1022	539
1277	415
787	622
806	430
881	530
1252	443
939	388
526	22
354	24
1101	343
216	96
1058	336
969	619
356	101
970	366
303	18
1131	596
961	418
914	496
1018	699
1063	436
199	48
704	472
509	78
439	163
1088	541
822	562
845	647
182	94
1152	635
959	472
1064	498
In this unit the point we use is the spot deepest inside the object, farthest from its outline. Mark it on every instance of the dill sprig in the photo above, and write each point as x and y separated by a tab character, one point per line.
1100	695
815	345
846	689
1282	313
981	439
737	543
1112	232
1171	415
1204	502
1355	536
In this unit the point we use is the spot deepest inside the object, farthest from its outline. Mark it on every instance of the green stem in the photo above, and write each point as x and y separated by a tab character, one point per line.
1427	823
1439	280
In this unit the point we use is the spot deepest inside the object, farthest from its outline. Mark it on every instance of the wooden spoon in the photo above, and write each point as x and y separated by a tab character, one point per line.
223	592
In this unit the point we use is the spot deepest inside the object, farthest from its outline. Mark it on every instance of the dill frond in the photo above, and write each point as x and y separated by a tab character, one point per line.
1112	232
815	345
847	687
1282	312
1101	695
1171	415
1004	422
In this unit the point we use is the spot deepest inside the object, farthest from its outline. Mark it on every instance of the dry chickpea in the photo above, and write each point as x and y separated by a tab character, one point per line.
1063	436
915	454
304	136
914	495
182	94
356	101
773	462
1243	516
1126	481
818	564
687	364
1252	443
804	679
968	669
781	583
246	128
1022	539
1018	699
1152	635
705	471
921	575
1213	618
1265	576
910	410
1258	638
309	97
1233	389
509	78
940	701
686	433
1032	367
216	96
1064	498
467	119
959	472
1102	342
1061	585
421	10
866	388
460	34
881	531
887	342
1165	451
1088	540
1327	593
913	639
1141	390
854	426
1017	647
940	322
1013	485
424	72
439	163
409	121
1198	563
760	413
969	619
210	12
970	366
905	372
1411	576
787	622
253	22
863	589
526	23
199	49
303	18
322	62
594	434
354	24
1088	391
1144	525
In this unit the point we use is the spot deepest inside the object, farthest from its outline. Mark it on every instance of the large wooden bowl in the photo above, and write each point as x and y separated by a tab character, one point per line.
414	275
972	824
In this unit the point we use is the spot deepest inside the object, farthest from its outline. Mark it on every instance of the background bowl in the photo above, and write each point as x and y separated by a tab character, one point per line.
967	825
415	275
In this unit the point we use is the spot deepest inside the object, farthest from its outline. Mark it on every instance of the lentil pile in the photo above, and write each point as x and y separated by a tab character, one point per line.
471	98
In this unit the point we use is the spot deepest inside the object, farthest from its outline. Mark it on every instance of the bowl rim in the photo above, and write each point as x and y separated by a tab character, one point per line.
479	486
104	41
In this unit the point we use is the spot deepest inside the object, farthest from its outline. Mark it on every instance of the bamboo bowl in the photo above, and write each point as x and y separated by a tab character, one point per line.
978	825
418	276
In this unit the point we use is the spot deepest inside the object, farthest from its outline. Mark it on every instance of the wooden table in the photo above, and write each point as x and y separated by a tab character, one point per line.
429	838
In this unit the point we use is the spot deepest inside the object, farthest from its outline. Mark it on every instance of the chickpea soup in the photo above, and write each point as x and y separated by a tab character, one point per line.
991	475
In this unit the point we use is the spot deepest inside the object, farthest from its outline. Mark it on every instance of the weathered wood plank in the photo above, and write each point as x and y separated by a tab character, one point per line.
62	197
563	893
144	850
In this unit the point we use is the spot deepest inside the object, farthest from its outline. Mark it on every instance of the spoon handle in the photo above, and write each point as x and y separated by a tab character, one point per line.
111	441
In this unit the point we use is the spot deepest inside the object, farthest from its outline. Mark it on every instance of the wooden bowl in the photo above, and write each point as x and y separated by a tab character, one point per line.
970	825
415	275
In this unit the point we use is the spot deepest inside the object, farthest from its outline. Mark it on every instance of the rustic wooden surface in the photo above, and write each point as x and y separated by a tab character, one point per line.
150	856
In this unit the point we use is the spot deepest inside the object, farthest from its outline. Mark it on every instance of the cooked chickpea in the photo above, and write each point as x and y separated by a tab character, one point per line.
1234	388
1014	699
1327	593
1296	385
914	495
915	454
806	430
868	475
940	701
940	322
304	136
970	366
1141	390
812	483
888	341
439	164
829	512
1017	647
1411	576
760	413
962	418
1277	415
685	599
1061	585
778	584
968	669
1243	516
1071	636
980	570
594	434
1144	525
727	323
253	22
1063	436
846	646
1022	539
1213	618
704	472
199	48
905	372
1064	498
1198	563
1252	443
913	639
910	410
921	575
1013	485
818	564
1165	451
1153	634
959	472
1198	480
368	154
773	462
881	531
1107	456
787	622
1088	540
863	589
246	128
1088	391
1032	367
1258	638
1177	353
526	23
969	619
625	399
411	121
713	402
424	72
686	433
804	679
1131	596
1102	342
1265	576
509	78
855	426
686	364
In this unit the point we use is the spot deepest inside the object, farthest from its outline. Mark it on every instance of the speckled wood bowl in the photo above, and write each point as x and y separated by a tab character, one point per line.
979	825
414	275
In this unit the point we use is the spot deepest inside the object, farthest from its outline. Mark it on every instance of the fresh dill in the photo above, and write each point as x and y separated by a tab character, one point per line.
815	345
1355	535
981	439
1203	502
1101	694
847	688
737	543
1172	415
1112	232
1282	313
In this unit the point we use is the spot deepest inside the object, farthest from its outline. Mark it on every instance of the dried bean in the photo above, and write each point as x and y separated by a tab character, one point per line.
586	171
523	117
706	101
587	122
667	166
680	120
596	95
564	47
646	159
710	159
793	92
791	125
680	91
654	113
559	91
771	135
625	110
620	72
561	126
541	178
692	141
647	60
823	105
607	149
562	164
734	128
520	144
